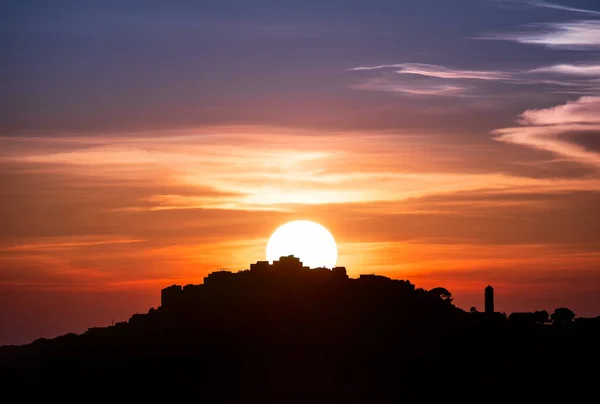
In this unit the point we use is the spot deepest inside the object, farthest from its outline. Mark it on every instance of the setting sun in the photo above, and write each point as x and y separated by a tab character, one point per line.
309	241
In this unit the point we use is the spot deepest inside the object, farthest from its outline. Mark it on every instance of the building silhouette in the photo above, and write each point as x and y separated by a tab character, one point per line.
489	299
287	272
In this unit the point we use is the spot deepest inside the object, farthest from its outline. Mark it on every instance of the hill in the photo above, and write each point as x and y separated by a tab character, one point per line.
285	333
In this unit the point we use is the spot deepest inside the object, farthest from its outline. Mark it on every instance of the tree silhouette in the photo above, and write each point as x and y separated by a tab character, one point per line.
443	293
473	309
562	315
542	317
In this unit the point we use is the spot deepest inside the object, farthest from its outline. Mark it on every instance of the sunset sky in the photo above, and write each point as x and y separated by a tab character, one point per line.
145	143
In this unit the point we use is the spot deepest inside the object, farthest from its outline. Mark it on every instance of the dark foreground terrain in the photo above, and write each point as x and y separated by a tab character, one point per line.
292	336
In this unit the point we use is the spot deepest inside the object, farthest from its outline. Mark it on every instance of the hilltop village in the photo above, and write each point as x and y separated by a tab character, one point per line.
282	332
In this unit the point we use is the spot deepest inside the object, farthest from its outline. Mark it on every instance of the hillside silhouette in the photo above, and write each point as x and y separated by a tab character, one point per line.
283	333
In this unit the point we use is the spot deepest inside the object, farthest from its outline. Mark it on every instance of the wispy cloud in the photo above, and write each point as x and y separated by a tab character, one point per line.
574	35
435	80
441	72
261	166
377	67
420	79
546	4
585	110
591	70
556	129
410	88
41	245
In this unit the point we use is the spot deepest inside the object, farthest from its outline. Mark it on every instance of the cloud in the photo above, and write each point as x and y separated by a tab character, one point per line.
376	67
575	35
558	129
418	89
441	72
419	79
435	80
592	70
253	166
44	245
585	110
546	4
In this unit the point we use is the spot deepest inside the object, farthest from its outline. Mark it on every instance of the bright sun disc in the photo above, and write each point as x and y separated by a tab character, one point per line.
309	241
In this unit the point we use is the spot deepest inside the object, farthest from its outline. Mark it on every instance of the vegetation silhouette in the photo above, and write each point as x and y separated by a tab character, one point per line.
284	333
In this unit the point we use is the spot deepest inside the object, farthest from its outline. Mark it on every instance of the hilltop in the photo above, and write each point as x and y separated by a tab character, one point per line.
284	333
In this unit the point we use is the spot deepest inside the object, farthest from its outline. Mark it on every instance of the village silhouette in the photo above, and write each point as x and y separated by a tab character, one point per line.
282	333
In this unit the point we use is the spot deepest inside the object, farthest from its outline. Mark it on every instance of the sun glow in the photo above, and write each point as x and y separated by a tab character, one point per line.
309	241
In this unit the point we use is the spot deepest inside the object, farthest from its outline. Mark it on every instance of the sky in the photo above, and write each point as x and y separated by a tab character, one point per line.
147	143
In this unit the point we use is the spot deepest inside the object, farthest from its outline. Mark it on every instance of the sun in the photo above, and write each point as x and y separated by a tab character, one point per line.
309	241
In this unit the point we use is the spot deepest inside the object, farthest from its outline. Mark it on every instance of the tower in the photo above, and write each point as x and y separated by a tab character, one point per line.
489	299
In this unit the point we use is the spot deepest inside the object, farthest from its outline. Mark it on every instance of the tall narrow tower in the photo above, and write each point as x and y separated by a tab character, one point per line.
489	299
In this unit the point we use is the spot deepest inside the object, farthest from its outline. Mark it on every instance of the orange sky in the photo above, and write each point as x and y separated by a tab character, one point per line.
127	214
